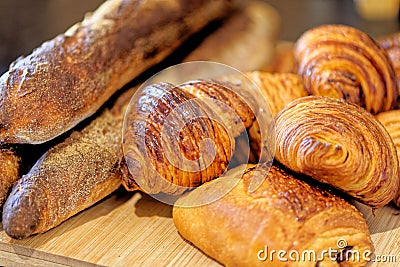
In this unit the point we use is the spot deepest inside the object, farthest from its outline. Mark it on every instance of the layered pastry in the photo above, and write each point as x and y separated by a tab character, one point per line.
343	62
340	144
283	213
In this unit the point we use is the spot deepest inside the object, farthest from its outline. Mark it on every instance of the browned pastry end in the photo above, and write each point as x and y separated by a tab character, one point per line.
284	213
284	60
279	89
391	121
167	157
9	171
342	62
252	28
68	78
63	182
392	46
340	144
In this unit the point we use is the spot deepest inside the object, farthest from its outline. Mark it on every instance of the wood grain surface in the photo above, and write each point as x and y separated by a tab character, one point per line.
131	229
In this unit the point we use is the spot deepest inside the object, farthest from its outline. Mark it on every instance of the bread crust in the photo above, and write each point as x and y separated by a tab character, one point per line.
9	171
68	78
68	178
391	121
284	213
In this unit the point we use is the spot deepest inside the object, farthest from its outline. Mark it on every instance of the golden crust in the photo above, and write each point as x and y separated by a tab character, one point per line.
284	213
29	216
70	177
162	162
69	77
279	89
342	62
9	171
284	60
391	121
391	44
340	144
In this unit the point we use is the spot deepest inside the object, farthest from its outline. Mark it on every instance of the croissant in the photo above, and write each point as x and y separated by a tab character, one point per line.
391	121
284	213
392	46
284	60
279	89
340	144
342	62
168	129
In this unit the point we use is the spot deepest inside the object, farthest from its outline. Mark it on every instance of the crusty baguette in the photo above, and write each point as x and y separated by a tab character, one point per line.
9	171
284	213
50	181
69	77
254	28
67	179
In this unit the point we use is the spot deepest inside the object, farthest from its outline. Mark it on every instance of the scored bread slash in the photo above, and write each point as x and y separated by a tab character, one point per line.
68	78
48	194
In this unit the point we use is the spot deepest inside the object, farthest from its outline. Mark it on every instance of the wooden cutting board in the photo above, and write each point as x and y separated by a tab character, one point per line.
133	229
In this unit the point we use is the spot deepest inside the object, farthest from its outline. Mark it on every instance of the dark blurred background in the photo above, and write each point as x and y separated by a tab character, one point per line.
25	24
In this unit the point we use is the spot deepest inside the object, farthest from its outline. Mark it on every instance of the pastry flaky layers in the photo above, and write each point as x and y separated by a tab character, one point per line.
391	121
165	129
284	213
340	144
343	62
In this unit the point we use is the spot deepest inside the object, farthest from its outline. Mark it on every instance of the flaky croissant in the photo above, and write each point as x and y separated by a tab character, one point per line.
391	121
391	44
166	129
342	62
279	89
284	60
340	144
284	213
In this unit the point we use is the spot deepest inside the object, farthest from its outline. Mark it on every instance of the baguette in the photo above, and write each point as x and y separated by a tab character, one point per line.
67	179
70	77
284	213
254	28
54	184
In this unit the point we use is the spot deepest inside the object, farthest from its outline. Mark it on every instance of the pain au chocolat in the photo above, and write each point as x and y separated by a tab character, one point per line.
283	213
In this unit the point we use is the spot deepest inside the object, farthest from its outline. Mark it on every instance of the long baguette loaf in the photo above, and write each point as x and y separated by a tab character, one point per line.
67	179
69	77
52	181
254	28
